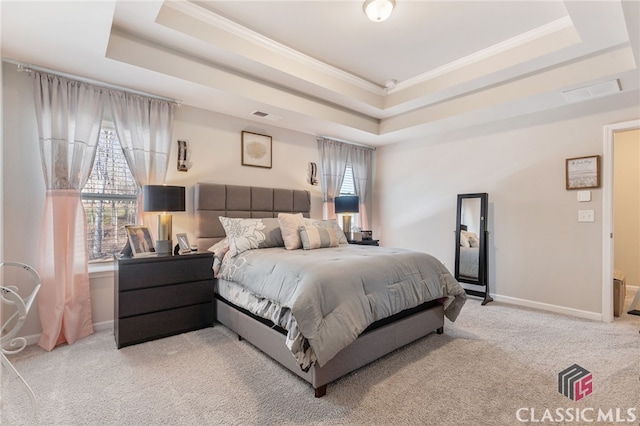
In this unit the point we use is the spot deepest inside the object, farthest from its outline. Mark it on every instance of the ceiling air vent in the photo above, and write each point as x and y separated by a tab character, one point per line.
266	115
594	91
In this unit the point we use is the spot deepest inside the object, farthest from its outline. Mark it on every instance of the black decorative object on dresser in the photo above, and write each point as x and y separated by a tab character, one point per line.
366	242
162	296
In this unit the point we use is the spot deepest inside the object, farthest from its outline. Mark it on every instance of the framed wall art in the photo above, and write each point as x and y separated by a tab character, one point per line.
583	172
256	150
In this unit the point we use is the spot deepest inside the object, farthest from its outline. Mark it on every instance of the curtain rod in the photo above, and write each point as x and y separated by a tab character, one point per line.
30	67
346	142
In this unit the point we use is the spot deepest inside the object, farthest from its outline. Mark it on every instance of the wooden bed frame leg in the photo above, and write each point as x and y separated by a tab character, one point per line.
440	330
321	391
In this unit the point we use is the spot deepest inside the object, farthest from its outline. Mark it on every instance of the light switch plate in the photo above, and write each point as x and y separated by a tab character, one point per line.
584	196
586	216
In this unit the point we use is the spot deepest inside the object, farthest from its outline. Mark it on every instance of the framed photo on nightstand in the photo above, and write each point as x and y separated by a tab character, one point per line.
140	241
183	243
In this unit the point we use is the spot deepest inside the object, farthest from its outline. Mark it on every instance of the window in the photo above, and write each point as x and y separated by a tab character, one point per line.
348	188
110	199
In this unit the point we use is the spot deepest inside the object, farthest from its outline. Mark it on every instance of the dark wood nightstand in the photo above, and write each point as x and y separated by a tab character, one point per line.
161	296
366	242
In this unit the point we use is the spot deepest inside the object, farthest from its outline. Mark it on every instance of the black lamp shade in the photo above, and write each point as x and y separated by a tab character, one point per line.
163	198
347	204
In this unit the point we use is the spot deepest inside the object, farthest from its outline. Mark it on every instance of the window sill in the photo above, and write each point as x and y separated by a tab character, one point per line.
101	270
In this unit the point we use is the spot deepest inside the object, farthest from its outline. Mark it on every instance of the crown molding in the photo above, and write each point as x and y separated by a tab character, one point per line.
509	44
222	23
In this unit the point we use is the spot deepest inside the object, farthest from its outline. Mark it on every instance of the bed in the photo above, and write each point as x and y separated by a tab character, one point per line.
282	301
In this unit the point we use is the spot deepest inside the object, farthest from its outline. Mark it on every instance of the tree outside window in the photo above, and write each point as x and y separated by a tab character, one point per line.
110	199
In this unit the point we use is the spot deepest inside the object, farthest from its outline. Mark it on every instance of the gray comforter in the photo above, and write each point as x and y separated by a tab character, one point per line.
335	293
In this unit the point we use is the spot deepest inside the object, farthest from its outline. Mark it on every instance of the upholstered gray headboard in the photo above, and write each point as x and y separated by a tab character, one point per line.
213	200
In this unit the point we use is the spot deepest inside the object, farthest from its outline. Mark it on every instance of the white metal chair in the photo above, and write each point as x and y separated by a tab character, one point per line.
14	310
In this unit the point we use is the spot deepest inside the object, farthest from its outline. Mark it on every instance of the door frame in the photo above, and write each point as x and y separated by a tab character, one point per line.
607	214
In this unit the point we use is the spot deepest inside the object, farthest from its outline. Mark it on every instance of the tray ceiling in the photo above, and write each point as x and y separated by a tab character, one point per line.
321	67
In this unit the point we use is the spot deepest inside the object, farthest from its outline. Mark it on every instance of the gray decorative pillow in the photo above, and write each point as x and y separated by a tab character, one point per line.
272	233
315	237
330	223
246	234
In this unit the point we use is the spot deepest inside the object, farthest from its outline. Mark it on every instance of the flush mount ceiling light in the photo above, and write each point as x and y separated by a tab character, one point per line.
378	10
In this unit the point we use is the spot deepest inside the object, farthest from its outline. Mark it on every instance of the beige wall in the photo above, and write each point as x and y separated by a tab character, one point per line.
539	255
627	204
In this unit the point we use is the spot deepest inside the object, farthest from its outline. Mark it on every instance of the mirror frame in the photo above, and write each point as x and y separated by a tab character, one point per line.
482	252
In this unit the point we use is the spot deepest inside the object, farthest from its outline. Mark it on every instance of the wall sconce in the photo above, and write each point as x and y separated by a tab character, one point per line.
347	204
163	198
183	154
313	172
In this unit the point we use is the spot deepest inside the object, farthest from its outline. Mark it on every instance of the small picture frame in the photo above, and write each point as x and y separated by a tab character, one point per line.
256	150
183	243
140	241
583	172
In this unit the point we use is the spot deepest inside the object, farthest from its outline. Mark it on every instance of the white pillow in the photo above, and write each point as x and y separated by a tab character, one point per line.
219	249
464	241
289	225
474	241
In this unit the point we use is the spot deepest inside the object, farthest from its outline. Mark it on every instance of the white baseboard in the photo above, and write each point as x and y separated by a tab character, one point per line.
100	326
548	307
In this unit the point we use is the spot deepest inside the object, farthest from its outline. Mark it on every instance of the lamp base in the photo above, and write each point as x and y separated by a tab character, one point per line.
164	247
346	224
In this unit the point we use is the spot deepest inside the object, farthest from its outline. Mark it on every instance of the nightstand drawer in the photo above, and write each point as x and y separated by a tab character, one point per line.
143	273
138	302
152	326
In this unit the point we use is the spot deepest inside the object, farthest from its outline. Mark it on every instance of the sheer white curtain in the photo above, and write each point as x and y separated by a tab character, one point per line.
361	162
144	127
334	156
69	114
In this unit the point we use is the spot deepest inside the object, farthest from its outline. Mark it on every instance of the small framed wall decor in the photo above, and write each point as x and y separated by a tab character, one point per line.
256	150
583	172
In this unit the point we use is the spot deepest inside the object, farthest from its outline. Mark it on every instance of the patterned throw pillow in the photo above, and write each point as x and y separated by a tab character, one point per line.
289	225
315	237
243	234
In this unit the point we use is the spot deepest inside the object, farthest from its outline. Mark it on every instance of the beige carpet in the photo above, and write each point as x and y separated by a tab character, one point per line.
493	361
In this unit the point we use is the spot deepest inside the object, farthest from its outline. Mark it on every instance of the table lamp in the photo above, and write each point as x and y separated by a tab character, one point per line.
163	198
347	204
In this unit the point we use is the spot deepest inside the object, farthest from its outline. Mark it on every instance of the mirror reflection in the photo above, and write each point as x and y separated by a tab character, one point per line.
470	238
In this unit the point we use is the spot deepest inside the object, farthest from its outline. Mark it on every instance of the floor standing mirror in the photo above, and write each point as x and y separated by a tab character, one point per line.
471	244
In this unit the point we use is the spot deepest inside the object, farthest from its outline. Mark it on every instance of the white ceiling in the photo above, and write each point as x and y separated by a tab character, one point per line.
321	67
